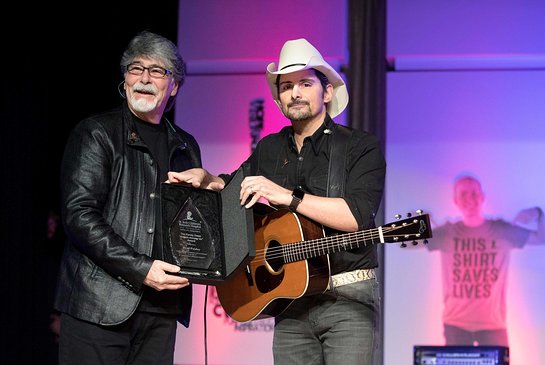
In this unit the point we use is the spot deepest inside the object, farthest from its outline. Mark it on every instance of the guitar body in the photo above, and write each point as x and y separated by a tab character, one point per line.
268	285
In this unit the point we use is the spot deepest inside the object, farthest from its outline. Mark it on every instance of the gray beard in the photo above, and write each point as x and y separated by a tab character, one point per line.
143	106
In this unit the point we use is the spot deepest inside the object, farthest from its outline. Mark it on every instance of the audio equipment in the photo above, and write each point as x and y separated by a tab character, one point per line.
461	355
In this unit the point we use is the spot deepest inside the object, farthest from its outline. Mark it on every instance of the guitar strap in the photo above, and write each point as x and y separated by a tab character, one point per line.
336	175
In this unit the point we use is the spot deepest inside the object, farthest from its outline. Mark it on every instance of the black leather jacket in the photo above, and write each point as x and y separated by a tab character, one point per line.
109	193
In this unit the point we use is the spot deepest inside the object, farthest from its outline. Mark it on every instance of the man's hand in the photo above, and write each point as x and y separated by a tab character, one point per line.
257	187
198	178
159	278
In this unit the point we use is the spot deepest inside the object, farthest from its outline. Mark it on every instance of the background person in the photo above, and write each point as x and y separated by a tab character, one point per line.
475	253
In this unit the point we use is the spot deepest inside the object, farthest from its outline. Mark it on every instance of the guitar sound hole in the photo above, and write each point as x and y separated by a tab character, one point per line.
274	256
269	278
265	281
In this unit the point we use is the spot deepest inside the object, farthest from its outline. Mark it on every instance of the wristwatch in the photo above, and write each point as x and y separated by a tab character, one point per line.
296	198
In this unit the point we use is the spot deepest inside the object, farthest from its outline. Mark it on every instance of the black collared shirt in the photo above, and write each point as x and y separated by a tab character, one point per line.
277	159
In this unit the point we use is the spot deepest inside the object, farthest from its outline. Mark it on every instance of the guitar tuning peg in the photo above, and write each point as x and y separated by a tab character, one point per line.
415	243
403	244
425	242
409	215
397	216
419	211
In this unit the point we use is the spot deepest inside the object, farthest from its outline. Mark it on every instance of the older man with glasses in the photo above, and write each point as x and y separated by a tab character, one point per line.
119	300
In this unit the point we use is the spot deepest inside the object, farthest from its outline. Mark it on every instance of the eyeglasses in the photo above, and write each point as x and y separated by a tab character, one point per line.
157	72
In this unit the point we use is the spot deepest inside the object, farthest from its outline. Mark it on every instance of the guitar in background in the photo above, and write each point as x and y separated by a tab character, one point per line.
292	260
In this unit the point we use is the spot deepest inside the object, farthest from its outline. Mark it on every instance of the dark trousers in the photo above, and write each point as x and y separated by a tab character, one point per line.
144	339
457	336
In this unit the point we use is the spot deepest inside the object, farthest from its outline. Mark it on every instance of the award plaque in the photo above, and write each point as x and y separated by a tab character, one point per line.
208	234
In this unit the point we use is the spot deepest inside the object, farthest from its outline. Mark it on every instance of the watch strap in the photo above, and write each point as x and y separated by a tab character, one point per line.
296	198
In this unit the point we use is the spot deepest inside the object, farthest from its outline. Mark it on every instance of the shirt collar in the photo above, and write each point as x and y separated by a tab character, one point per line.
319	137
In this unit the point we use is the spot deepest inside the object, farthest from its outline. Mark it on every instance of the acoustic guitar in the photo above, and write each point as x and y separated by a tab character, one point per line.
291	260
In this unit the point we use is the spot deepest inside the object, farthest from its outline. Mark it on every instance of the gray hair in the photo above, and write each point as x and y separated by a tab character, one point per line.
148	44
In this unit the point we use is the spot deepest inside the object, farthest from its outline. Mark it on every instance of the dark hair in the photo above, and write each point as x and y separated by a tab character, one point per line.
319	74
323	78
148	44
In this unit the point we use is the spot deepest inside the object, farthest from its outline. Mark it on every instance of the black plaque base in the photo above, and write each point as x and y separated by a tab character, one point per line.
207	233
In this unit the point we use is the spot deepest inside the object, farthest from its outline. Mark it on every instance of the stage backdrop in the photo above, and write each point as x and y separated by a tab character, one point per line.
466	95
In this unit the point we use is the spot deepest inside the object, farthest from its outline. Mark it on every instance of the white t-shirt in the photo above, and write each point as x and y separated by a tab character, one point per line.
474	264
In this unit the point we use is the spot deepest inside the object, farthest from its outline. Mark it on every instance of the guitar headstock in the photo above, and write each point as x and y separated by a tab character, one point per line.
413	228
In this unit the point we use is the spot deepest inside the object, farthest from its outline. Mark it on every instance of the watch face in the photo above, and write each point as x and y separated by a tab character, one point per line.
298	193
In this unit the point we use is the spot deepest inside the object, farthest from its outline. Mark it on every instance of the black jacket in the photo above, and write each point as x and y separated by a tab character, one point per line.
109	192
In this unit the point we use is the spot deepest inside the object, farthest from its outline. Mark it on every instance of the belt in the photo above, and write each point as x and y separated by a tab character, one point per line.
351	277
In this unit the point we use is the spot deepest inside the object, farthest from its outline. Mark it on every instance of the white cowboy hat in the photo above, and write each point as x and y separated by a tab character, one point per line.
298	55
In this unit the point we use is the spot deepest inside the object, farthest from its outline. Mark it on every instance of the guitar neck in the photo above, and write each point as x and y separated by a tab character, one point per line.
327	245
413	228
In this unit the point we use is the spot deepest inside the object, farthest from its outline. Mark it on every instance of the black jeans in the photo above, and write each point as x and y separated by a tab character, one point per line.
146	338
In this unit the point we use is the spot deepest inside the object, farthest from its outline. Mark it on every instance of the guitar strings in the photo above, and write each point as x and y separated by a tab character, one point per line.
297	248
295	251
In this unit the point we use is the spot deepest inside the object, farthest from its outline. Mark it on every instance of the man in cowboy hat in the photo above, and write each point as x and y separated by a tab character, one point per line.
299	168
